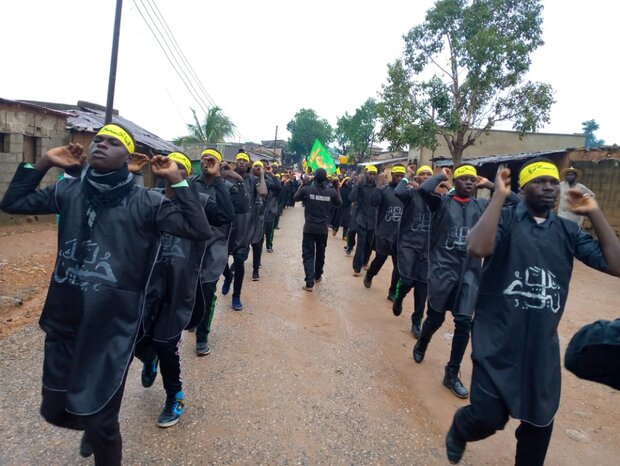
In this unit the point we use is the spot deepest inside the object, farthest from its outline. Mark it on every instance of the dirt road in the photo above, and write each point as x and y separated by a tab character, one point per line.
296	378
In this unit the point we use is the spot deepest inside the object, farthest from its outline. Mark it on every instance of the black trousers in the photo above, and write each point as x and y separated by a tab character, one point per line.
377	263
238	269
351	235
313	255
257	253
269	231
169	361
420	293
462	330
101	429
206	298
364	247
487	414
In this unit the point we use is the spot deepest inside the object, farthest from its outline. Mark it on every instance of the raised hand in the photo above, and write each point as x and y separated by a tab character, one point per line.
69	156
502	182
410	173
580	203
137	161
381	180
446	172
212	166
166	169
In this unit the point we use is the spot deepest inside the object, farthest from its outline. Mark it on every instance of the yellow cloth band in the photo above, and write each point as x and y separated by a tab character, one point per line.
258	163
537	169
243	156
371	169
399	169
119	133
182	159
213	153
465	170
424	168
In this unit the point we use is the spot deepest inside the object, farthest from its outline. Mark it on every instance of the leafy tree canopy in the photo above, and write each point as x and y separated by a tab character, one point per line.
358	132
305	127
215	127
462	72
588	130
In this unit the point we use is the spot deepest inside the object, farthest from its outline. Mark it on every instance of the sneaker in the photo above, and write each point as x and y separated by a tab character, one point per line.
416	329
455	446
367	281
270	250
306	288
226	285
202	348
149	372
391	297
419	351
453	382
356	273
348	252
172	411
318	279
86	449
255	276
397	307
236	304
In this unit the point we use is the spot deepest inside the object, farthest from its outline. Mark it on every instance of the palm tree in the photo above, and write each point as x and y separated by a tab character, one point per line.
215	128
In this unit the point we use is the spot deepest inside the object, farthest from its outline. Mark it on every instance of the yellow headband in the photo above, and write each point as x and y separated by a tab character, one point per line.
537	169
243	156
213	153
182	159
119	133
399	169
465	170
424	168
258	163
371	169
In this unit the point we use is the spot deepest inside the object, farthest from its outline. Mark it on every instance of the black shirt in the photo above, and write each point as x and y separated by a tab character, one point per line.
317	199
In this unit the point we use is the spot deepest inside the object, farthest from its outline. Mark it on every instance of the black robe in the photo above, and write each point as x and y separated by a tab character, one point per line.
523	291
94	306
413	234
242	232
389	213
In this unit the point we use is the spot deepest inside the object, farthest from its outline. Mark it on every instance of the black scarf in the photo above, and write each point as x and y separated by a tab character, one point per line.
101	191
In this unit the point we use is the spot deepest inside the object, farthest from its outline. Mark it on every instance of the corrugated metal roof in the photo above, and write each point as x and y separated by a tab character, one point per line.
87	118
381	162
497	159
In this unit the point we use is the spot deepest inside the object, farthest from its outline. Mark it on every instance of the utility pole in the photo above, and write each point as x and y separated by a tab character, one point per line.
113	60
275	141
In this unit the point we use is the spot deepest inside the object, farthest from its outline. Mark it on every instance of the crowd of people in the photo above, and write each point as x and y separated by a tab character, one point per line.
137	266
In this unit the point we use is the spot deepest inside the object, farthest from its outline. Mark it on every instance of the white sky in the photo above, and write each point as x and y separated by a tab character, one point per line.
262	61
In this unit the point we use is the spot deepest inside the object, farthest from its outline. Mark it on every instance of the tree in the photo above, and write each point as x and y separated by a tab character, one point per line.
476	54
357	132
588	130
216	127
305	127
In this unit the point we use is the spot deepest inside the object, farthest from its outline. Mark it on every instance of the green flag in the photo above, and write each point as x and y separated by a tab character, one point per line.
320	158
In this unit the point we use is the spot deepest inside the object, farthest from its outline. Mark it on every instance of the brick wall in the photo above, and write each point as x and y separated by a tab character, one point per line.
28	133
602	178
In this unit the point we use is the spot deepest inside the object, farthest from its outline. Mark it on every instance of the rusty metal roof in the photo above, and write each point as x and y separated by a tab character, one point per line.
497	159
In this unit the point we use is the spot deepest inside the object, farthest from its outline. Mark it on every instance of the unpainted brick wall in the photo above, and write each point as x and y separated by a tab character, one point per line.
603	177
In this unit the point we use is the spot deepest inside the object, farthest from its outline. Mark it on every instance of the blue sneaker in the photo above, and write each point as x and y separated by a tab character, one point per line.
226	285
236	304
172	411
149	372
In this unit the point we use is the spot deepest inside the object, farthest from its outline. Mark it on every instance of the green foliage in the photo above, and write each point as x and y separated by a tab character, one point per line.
215	127
588	130
358	132
305	127
462	72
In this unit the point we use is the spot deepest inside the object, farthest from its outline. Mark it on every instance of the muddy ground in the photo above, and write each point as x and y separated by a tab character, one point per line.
296	378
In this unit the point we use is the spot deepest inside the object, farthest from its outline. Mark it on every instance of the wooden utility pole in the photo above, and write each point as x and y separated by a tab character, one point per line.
112	81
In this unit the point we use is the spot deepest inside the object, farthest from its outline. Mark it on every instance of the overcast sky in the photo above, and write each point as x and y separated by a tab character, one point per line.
263	61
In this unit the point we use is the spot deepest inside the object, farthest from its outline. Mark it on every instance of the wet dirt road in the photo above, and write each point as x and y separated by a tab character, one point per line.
309	378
